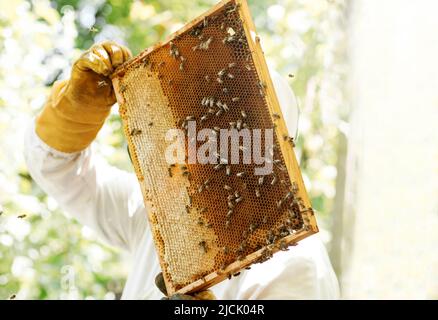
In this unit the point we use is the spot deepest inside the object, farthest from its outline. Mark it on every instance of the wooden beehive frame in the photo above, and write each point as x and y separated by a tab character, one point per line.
280	129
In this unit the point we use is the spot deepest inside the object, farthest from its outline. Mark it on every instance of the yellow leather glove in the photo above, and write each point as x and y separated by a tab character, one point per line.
78	107
201	295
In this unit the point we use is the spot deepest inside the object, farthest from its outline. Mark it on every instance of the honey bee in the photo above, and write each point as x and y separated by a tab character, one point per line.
123	88
173	52
257	193
270	238
261	179
211	102
101	84
283	246
135	132
223	160
291	141
276	115
248	67
287	196
186	174
233	8
294	187
240	174
231	65
239	124
274	180
202	210
236	274
228	170
243	113
226	250
227	187
235	99
203	245
265	219
22	216
230	75
238	200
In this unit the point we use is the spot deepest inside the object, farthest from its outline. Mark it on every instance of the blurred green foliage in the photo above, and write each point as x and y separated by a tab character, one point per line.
46	255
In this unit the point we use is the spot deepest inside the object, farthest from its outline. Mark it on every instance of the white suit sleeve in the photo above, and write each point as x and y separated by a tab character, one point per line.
102	197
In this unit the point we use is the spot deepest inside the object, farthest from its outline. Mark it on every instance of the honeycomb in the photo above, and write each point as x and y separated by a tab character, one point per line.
199	241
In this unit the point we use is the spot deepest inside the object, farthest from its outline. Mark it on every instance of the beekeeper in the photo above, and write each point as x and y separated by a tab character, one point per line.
108	200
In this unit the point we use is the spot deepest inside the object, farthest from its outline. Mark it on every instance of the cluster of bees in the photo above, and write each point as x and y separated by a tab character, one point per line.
215	108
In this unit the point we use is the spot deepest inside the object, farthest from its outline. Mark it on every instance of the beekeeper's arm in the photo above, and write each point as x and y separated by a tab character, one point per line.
60	160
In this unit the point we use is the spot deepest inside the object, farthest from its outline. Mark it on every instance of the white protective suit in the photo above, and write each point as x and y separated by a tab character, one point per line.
109	201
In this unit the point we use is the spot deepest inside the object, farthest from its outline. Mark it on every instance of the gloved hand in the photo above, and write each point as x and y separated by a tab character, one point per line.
77	108
201	295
